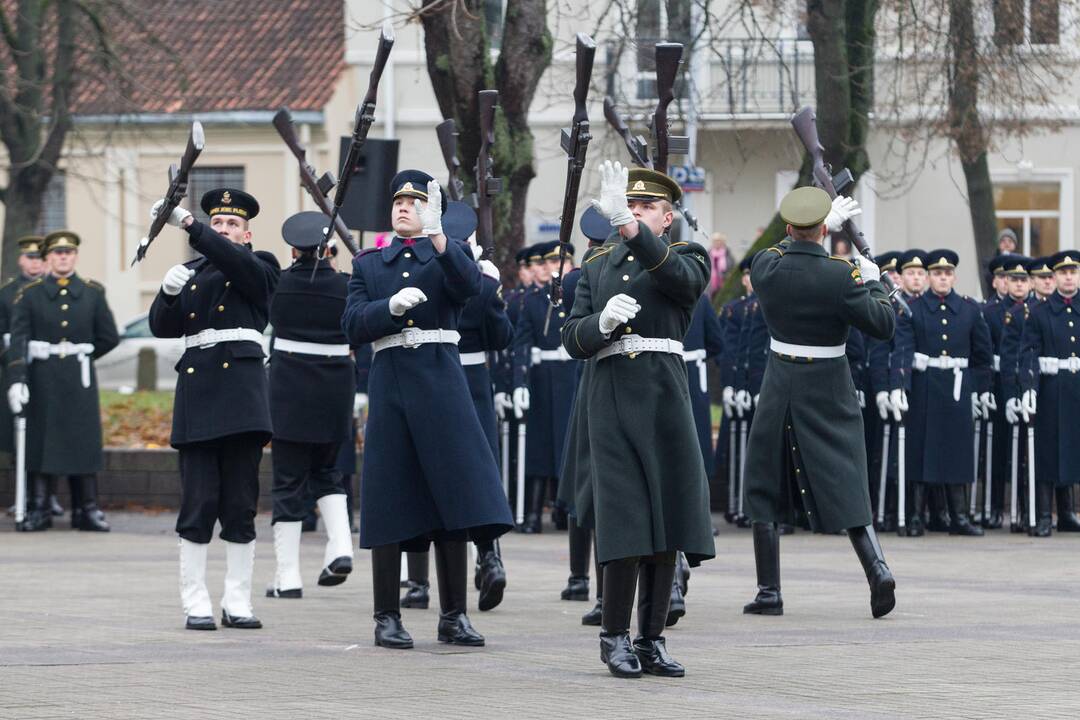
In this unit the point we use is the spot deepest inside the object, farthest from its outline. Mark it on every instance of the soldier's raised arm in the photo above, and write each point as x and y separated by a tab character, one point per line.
866	306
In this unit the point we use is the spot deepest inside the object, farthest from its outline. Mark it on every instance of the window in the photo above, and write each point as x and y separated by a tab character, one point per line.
659	21
1019	22
1033	211
203	179
53	206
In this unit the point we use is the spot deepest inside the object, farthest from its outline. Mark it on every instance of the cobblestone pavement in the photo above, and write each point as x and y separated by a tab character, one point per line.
90	626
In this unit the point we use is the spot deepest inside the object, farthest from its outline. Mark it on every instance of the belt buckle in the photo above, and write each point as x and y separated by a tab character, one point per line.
410	338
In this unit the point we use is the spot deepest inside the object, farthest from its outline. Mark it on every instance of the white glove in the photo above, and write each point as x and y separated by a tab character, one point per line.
883	406
1027	404
757	398
976	407
898	401
843	208
431	214
502	404
988	402
521	401
175	279
868	269
406	299
1012	410
177	216
619	309
743	402
18	395
359	403
477	251
488	268
729	401
612	202
862	398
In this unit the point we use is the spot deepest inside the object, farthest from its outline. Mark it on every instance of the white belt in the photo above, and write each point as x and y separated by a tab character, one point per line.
210	337
43	349
698	356
473	358
415	337
997	363
310	348
1053	365
818	352
956	364
7	340
559	355
634	344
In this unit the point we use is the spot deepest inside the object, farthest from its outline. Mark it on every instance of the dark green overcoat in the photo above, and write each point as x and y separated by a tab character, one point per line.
807	434
633	449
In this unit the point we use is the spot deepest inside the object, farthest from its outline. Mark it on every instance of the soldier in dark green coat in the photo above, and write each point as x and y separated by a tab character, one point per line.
808	426
644	488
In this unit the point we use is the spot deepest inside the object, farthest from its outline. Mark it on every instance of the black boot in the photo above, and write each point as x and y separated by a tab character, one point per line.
492	577
878	575
959	524
38	518
55	508
452	570
418	596
385	572
616	651
1044	501
559	518
1067	521
767	562
682	573
93	519
577	586
534	506
938	507
655	581
596	616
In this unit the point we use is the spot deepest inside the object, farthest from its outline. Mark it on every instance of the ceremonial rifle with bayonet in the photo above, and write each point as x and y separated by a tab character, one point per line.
318	188
455	188
178	181
487	185
805	124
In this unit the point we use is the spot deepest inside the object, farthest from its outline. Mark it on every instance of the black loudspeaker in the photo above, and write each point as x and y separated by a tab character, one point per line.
368	202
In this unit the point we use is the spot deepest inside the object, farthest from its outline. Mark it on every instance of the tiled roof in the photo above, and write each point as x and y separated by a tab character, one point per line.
224	55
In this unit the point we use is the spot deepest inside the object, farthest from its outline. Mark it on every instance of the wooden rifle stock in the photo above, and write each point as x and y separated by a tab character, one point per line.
487	186
177	190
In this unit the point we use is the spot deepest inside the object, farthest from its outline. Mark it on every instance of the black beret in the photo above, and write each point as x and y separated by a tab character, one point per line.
230	201
305	230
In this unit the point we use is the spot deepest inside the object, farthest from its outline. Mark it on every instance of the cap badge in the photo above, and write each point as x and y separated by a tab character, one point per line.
916	260
226	197
639	185
407	186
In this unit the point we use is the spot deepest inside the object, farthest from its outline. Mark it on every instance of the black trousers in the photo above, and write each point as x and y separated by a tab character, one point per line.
219	480
302	471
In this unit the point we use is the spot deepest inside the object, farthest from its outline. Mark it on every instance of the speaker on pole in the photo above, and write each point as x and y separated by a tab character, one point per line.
367	202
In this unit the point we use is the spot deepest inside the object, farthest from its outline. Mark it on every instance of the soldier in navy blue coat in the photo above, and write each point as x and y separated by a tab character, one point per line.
428	472
942	357
1049	373
311	399
728	459
220	304
879	413
753	353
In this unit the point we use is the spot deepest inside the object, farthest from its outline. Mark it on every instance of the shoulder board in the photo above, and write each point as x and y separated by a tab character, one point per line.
9	282
841	259
776	249
679	244
31	284
94	284
598	253
366	251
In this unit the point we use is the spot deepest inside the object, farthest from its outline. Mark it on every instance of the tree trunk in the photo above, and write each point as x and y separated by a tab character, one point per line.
22	212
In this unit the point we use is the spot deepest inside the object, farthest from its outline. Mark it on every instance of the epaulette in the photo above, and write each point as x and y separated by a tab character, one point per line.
27	286
9	282
842	259
776	249
94	284
600	251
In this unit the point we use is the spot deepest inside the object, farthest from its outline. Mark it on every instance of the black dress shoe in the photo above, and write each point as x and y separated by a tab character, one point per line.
417	597
492	580
35	521
559	518
336	572
240	623
676	607
390	633
961	526
533	525
618	654
766	602
595	616
743	521
655	659
882	590
577	588
455	629
785	529
204	622
993	521
1043	528
729	517
93	520
55	508
291	594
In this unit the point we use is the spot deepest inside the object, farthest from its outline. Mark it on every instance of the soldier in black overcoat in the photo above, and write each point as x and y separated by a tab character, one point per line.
220	304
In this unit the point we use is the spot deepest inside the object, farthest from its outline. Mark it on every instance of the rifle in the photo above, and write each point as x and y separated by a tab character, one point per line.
365	116
178	180
636	145
319	188
447	132
805	124
668	56
575	143
487	186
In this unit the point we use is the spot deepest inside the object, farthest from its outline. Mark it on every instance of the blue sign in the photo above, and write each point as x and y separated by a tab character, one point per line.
691	178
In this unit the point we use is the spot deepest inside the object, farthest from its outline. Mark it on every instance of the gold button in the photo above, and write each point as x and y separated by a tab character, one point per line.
625	278
408	255
562	314
228	283
803	492
193	286
190	370
942	307
629	329
808	513
1070	323
630	258
944	337
225	365
792	448
944	352
409	323
796	471
64	291
1072	338
944	321
191	316
405	274
65	307
63	323
221	308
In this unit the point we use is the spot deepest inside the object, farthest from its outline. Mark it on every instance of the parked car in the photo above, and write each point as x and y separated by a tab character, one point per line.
117	370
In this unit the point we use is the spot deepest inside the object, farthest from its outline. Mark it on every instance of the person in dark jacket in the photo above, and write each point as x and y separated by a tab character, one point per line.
220	304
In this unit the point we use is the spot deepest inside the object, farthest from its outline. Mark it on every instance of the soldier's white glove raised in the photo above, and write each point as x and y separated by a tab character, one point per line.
359	403
898	401
406	299
988	402
612	201
619	309
1027	404
843	208
1012	410
729	401
488	268
177	216
502	404
18	395
431	214
521	402
175	279
883	406
976	407
868	269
